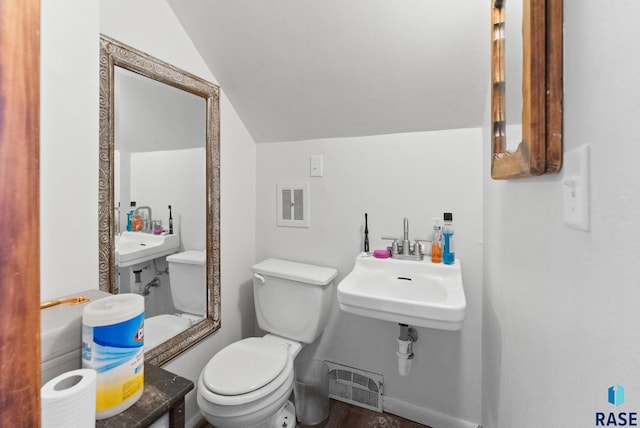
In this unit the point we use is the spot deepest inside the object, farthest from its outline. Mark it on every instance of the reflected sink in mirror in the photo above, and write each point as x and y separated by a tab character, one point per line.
418	293
138	247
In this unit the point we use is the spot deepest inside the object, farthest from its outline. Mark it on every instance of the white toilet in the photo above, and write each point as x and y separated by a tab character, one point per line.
188	286
248	383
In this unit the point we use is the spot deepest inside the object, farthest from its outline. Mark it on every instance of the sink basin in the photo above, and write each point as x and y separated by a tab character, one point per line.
138	247
418	293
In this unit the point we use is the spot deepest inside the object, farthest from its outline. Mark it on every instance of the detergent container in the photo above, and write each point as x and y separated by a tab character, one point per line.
113	345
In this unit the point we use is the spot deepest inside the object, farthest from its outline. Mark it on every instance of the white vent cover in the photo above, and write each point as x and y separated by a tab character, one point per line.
354	386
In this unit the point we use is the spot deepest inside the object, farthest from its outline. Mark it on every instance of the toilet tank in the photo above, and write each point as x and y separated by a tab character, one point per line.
292	299
188	277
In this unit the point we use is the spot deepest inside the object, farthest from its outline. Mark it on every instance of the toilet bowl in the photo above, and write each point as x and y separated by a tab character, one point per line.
163	327
248	383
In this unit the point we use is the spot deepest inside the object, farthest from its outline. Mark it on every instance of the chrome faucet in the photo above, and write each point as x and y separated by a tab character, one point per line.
405	251
405	241
146	218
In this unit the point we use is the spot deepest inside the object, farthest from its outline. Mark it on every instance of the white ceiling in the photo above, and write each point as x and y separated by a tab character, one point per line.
304	69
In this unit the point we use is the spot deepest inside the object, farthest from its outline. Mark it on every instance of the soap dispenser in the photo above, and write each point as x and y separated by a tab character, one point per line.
436	242
448	254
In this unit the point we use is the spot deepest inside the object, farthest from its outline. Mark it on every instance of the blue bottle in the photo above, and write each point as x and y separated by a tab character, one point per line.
448	254
132	209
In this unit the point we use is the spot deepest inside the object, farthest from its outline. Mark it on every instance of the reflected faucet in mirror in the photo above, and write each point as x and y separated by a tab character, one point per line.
145	215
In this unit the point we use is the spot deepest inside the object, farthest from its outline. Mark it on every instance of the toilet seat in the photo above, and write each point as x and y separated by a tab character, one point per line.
246	371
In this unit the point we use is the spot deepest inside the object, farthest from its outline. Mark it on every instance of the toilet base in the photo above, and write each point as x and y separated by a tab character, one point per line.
287	416
283	418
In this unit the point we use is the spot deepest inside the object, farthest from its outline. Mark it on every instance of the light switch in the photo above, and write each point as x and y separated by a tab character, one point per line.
575	188
316	166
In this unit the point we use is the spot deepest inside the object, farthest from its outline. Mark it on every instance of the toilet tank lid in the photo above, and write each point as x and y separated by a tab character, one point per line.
310	274
193	257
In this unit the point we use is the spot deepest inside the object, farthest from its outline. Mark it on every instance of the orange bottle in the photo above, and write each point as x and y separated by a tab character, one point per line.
137	223
436	253
436	244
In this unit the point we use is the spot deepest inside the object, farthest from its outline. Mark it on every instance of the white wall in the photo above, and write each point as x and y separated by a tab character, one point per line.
560	312
69	159
68	147
418	175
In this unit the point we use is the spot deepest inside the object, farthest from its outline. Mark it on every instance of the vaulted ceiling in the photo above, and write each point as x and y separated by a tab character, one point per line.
307	69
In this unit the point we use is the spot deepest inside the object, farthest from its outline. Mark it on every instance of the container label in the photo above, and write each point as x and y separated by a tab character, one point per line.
121	385
116	353
108	346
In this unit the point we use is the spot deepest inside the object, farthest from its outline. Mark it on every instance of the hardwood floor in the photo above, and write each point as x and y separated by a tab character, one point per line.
343	415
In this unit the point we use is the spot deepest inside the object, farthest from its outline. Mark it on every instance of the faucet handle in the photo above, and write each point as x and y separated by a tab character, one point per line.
416	245
394	244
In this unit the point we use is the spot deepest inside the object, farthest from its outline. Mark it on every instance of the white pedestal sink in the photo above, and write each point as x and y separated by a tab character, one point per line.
418	293
138	247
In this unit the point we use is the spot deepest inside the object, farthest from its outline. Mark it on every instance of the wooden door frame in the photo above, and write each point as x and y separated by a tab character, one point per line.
19	213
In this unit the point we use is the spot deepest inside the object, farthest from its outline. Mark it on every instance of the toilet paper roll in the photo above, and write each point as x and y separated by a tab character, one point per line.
69	400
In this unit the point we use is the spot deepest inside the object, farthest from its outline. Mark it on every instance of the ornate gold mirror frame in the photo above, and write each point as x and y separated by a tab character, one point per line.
540	151
112	54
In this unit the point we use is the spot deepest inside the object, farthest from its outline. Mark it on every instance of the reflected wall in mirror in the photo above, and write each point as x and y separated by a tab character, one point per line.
534	143
160	146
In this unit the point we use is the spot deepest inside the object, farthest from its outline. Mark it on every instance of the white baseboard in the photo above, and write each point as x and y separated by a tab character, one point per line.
423	415
400	408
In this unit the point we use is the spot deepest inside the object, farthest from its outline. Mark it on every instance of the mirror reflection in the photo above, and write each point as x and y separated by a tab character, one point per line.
513	73
526	57
159	175
159	195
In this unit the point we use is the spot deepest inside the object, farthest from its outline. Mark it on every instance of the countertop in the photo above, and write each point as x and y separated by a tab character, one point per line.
163	391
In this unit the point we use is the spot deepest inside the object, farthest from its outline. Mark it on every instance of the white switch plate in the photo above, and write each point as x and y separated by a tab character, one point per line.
316	166
576	188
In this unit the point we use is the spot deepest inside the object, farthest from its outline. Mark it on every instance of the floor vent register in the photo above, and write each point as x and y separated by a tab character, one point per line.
355	386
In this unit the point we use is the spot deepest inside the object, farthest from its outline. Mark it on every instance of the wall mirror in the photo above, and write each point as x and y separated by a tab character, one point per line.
532	143
159	146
